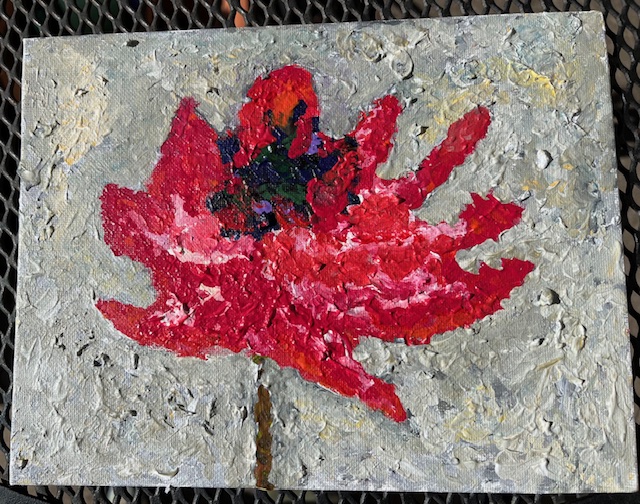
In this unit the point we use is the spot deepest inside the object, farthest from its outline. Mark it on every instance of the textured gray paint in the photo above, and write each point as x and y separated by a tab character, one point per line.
536	398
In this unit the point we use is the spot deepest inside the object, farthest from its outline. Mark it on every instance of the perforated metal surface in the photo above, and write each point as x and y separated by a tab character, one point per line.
35	18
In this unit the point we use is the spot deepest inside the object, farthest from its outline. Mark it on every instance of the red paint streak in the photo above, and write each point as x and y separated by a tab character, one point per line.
305	294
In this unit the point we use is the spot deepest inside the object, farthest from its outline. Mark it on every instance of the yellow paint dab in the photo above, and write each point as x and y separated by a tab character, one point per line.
548	364
532	184
471	434
525	77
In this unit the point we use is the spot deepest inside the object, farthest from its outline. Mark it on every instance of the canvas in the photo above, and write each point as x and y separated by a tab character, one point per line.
375	256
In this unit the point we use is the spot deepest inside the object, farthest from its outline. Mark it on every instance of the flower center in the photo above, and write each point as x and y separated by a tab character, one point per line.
271	188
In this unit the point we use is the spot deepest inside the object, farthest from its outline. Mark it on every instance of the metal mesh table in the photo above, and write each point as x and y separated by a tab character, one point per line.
40	18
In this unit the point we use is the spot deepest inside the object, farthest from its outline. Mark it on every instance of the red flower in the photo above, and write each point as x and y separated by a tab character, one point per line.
276	240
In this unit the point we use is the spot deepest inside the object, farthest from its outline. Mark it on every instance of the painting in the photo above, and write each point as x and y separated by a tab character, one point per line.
365	256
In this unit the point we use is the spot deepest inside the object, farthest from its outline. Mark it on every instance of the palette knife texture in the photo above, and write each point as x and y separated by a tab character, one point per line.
375	256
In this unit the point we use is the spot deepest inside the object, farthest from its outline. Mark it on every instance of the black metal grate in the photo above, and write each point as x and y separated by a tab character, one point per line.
40	18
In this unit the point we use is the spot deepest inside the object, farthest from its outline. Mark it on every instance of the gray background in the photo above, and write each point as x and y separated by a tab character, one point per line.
532	399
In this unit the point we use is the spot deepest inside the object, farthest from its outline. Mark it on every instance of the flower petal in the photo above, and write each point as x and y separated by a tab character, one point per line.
127	218
190	165
461	299
360	153
328	196
486	218
325	358
284	99
373	135
462	137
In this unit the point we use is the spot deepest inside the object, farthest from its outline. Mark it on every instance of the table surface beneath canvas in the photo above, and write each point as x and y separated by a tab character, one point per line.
33	20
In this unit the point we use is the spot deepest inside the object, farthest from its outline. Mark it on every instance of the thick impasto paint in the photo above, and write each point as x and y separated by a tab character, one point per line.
280	241
375	256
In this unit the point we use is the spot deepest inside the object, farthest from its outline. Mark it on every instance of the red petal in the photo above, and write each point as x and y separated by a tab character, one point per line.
462	137
373	134
302	141
273	101
486	219
328	196
462	299
326	360
356	168
127	217
190	166
144	326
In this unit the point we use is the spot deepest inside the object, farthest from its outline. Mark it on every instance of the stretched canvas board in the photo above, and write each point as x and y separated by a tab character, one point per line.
376	256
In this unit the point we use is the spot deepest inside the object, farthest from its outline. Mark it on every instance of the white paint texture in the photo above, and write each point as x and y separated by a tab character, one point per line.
536	398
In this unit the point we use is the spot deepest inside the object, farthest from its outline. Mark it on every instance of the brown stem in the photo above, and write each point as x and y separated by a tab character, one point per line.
262	416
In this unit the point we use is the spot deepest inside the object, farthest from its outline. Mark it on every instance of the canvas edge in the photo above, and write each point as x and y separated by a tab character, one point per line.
633	483
159	35
14	479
